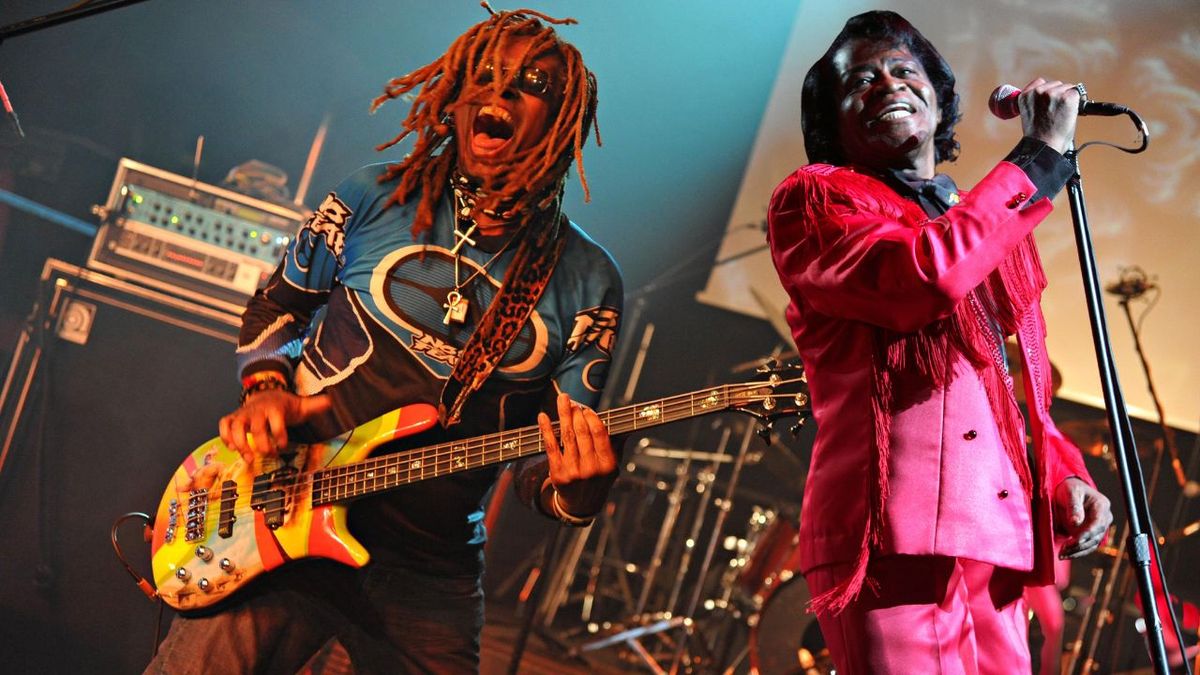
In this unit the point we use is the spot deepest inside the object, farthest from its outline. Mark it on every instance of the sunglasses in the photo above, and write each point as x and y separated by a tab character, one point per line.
530	79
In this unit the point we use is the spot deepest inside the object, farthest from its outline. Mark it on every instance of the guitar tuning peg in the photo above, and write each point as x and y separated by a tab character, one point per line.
764	432
795	428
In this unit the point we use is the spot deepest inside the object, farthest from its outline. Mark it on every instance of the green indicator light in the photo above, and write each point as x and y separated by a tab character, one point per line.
174	220
137	199
253	234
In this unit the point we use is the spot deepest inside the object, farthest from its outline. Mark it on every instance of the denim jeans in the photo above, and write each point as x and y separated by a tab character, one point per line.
314	616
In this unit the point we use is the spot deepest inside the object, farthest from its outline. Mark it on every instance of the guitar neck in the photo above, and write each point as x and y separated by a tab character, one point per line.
378	474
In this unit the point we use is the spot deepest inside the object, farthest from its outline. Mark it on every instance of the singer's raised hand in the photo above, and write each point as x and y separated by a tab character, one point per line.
1049	109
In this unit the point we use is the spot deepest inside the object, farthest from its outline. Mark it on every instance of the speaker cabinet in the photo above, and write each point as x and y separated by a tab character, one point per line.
109	387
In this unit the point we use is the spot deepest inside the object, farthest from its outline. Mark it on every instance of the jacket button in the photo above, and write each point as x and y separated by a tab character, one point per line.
1016	200
1003	494
970	435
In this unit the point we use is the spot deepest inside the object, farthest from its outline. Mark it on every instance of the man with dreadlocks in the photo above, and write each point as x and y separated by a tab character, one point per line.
923	515
450	278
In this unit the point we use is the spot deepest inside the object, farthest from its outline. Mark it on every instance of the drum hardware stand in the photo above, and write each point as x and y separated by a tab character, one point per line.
1099	610
705	486
564	571
559	568
1132	284
684	623
690	633
1124	450
1076	645
665	620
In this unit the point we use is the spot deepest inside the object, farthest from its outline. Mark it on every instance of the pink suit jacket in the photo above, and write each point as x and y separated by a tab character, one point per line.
861	259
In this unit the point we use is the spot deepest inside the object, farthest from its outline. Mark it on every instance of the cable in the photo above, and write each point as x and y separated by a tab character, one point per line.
144	586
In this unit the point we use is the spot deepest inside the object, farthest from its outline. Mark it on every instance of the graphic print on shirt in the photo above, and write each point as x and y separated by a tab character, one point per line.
409	288
326	227
597	327
352	346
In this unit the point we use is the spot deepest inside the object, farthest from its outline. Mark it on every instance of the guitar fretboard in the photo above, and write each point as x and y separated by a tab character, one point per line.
394	470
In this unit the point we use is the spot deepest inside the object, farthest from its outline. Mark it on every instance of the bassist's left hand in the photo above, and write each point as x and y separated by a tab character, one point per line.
583	465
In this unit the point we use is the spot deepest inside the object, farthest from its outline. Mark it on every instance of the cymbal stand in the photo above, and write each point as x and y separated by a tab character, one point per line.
1100	612
689	631
1076	645
675	505
684	621
1133	283
705	479
564	568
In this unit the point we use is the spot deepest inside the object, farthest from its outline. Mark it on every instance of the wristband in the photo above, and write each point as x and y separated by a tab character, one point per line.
262	375
264	380
566	517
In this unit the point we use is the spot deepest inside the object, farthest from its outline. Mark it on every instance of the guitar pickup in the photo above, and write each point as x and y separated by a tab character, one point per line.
271	495
226	517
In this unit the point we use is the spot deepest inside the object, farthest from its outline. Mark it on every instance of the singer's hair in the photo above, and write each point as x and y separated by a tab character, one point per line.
453	80
819	99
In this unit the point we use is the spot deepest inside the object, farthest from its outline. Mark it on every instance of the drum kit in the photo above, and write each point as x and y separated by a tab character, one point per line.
694	563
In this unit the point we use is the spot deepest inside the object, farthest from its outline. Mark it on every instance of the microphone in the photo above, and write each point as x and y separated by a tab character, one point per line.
1003	104
1133	283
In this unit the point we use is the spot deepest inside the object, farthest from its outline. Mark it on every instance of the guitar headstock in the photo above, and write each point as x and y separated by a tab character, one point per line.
781	391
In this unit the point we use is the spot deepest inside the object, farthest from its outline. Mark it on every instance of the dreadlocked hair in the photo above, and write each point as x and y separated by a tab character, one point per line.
533	179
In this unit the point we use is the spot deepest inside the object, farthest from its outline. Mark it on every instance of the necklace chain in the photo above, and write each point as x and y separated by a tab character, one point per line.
456	303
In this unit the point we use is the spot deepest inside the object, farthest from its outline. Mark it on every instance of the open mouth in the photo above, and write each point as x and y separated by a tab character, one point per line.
492	130
893	112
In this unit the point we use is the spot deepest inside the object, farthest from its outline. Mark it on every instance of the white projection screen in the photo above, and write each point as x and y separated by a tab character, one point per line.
1143	209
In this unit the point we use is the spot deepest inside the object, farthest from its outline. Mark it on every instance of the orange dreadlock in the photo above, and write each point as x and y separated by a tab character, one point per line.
529	180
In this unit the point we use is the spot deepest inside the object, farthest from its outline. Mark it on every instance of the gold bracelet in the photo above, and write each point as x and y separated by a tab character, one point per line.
566	517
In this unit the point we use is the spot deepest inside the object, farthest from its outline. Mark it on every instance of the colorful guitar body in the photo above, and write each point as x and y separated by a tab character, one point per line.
221	523
214	532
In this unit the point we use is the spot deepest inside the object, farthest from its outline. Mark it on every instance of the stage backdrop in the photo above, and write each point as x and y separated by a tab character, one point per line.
1143	208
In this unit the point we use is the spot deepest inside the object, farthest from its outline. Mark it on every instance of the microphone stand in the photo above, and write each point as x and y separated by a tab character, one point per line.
1129	470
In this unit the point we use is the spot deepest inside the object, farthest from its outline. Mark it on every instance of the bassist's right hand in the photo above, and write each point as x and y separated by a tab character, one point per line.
259	427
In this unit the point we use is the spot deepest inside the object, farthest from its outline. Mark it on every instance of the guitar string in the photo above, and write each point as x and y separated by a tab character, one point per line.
502	442
436	459
349	479
437	453
355	475
523	436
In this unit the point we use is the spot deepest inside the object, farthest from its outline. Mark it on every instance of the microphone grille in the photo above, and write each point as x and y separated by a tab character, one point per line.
1003	102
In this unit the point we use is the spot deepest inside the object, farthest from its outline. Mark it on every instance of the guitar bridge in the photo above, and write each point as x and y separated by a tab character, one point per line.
197	510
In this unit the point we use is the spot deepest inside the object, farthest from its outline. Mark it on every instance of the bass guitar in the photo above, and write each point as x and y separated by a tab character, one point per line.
221	523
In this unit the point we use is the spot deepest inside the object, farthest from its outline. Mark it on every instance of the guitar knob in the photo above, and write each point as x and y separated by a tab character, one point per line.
204	553
182	574
226	565
205	585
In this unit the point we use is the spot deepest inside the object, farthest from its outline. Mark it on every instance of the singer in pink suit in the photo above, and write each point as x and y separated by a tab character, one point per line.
924	516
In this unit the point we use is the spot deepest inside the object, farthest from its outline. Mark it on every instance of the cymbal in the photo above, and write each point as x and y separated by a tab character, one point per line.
754	364
1092	438
1013	351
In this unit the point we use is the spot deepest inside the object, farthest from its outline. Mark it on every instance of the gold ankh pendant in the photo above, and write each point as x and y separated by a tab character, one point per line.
456	308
